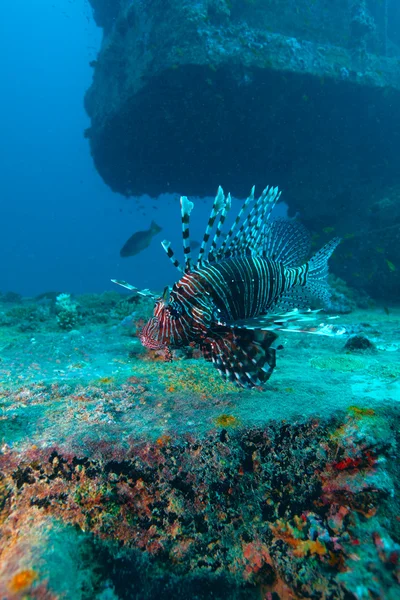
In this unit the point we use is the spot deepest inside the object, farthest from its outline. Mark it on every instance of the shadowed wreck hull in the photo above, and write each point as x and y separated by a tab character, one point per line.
187	96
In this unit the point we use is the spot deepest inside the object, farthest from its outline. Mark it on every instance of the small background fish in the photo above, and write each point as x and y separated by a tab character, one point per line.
139	241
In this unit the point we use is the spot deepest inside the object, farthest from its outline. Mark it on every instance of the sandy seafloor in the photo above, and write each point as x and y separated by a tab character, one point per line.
122	476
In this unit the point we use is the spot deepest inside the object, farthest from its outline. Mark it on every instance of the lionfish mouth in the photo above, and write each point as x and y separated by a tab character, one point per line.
151	343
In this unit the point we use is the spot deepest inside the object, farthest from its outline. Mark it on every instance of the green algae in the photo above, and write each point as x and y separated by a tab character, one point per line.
187	376
383	371
341	364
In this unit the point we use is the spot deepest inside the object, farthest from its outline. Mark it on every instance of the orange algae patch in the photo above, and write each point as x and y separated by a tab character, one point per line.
292	537
255	557
22	580
81	398
227	421
309	546
106	380
364	412
163	440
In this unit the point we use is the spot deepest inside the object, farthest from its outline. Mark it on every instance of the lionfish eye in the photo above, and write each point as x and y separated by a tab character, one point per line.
175	309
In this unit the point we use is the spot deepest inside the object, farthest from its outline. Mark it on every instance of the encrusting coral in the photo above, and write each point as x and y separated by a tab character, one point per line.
67	312
279	507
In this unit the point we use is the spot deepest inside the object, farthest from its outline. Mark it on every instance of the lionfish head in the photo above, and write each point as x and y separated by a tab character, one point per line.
150	336
163	328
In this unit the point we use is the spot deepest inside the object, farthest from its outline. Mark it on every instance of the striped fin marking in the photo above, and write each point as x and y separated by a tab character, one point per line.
242	238
297	321
132	288
286	241
186	209
245	357
226	243
269	203
220	223
239	242
252	230
171	254
219	205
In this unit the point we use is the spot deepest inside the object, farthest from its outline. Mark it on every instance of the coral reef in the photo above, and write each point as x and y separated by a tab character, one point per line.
359	343
52	311
67	312
122	476
290	506
344	299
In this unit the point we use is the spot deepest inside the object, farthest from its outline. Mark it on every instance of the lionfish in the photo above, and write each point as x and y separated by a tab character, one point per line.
241	289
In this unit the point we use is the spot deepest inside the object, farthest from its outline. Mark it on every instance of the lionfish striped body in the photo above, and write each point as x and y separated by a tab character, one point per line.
242	290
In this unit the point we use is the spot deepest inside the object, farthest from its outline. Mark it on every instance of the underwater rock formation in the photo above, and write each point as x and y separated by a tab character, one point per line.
283	511
105	12
124	478
190	95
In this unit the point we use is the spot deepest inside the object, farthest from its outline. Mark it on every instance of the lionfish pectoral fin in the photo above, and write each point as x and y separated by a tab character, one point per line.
134	289
301	321
168	354
242	356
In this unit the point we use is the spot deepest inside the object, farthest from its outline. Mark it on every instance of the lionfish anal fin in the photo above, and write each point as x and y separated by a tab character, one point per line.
242	356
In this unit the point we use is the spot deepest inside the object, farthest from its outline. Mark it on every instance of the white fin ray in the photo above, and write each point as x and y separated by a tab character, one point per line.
186	209
230	237
220	205
308	321
171	255
146	292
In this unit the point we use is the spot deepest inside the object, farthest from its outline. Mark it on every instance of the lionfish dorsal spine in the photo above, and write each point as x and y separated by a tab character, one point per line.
171	254
250	234
186	209
219	205
220	223
239	244
242	240
227	242
245	235
268	198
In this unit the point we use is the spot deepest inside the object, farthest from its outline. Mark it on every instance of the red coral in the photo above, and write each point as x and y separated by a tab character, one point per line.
347	463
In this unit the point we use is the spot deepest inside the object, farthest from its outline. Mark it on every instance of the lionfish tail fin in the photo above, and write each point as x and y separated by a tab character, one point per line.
242	356
317	276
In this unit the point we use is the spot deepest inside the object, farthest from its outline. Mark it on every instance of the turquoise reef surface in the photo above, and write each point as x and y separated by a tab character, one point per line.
122	476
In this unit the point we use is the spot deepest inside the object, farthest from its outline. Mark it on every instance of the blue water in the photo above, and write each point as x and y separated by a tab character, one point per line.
62	227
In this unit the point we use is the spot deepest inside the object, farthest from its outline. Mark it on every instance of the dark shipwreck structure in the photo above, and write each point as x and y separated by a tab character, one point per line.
304	94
